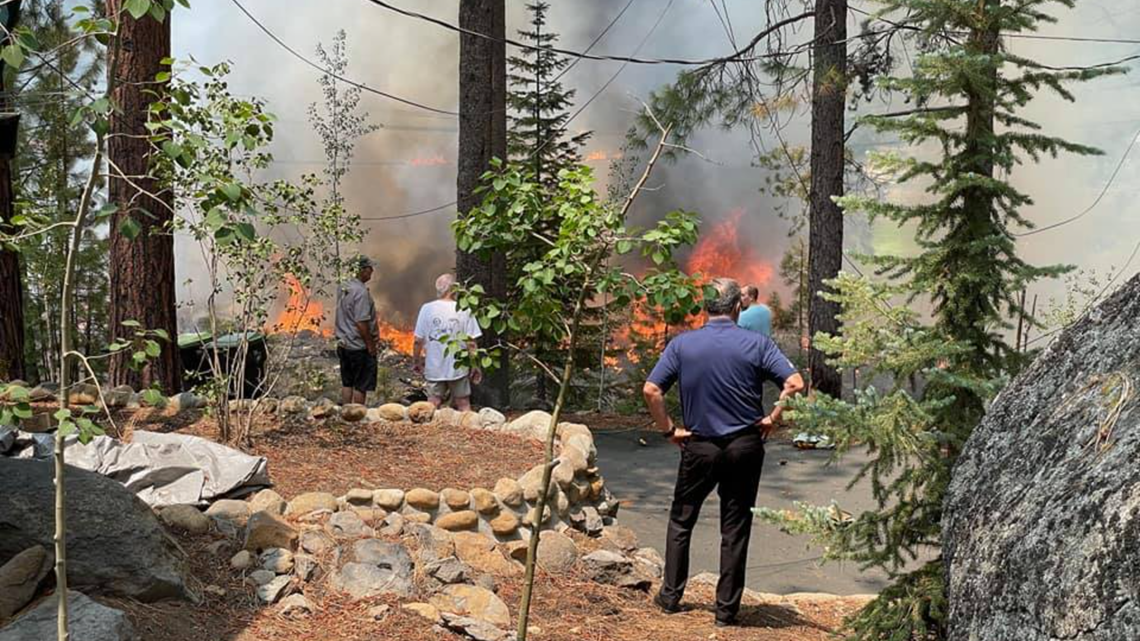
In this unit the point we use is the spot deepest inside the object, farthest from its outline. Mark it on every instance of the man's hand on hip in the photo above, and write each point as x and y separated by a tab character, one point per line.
679	435
767	426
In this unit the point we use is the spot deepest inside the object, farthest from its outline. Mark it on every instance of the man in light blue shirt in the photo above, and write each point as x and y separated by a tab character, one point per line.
756	315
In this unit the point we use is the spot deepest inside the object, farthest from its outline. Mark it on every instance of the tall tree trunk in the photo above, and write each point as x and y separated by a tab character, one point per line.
11	283
141	269
482	136
825	243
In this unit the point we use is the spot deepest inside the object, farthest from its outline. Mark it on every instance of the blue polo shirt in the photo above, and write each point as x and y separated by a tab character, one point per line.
721	369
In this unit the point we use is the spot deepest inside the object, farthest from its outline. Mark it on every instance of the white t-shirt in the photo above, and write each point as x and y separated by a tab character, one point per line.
438	320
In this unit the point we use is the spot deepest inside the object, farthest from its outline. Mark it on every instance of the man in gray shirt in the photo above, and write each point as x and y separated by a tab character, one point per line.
357	335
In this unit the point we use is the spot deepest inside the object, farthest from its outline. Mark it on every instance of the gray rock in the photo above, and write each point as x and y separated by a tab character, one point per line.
353	412
611	568
650	562
115	544
87	621
592	521
316	541
378	568
277	560
306	567
274	590
491	418
262	577
20	577
185	518
230	511
474	629
267	501
557	552
241	561
346	525
448	571
393	525
1041	525
295	606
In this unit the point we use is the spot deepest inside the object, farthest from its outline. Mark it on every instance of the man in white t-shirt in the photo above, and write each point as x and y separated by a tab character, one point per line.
439	320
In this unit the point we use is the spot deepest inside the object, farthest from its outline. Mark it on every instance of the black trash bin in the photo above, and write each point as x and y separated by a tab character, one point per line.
196	350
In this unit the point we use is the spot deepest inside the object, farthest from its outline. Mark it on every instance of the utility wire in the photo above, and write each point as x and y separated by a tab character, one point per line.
1004	34
359	85
593	42
1100	196
736	56
576	113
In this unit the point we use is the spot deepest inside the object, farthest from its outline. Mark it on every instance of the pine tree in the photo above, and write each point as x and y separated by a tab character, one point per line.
539	106
968	270
50	171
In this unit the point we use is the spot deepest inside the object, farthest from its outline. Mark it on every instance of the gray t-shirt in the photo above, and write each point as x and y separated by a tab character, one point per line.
353	304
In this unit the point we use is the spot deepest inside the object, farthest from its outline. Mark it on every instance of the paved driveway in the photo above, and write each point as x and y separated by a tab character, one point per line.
643	476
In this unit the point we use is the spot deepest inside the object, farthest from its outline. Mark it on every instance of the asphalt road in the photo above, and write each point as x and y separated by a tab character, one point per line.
642	477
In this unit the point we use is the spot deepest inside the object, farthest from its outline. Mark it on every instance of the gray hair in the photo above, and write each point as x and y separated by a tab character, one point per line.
727	297
444	283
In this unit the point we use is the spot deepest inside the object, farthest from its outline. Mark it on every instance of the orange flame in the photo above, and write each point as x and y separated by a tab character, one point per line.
302	312
603	155
428	161
719	252
400	340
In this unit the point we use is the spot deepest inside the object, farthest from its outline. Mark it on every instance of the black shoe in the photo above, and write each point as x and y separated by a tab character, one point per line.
665	606
726	623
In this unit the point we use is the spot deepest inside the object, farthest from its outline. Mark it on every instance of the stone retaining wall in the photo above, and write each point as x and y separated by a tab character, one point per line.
577	496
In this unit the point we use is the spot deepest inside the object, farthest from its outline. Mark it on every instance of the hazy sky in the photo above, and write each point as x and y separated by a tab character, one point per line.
418	60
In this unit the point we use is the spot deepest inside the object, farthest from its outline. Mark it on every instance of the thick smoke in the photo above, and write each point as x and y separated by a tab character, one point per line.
409	164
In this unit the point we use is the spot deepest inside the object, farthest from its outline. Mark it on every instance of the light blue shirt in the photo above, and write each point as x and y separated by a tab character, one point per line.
757	318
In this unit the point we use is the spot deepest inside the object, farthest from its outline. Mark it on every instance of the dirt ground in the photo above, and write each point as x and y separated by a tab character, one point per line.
566	608
306	456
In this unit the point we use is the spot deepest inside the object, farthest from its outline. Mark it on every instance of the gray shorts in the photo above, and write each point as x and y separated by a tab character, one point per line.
459	388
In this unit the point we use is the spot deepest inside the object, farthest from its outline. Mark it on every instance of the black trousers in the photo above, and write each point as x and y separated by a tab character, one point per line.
732	466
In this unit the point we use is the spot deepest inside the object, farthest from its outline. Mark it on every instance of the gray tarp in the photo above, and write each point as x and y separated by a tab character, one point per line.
162	469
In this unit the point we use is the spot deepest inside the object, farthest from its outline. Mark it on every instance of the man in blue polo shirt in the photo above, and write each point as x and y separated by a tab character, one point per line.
721	369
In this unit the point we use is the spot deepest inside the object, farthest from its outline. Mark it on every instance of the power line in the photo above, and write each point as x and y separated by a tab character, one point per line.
593	42
1103	191
576	113
734	56
359	85
1005	34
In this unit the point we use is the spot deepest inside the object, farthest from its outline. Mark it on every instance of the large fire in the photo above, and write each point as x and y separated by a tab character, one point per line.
302	312
719	252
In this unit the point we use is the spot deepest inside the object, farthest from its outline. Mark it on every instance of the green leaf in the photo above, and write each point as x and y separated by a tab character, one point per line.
153	349
137	8
172	149
129	228
130	323
232	191
22	410
154	397
246	231
62	414
624	246
12	55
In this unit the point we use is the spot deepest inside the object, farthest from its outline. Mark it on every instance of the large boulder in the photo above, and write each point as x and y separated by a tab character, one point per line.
87	621
115	544
1041	530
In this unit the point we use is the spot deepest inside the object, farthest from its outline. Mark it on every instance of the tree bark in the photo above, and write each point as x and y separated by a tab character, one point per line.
142	269
11	283
825	243
483	136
